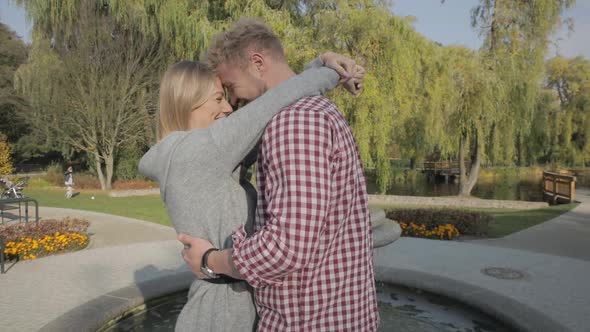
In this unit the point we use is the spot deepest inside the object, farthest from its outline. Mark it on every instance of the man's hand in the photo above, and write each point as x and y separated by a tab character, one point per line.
193	251
351	74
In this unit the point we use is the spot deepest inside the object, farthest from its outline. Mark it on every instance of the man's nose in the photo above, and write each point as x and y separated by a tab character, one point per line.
233	101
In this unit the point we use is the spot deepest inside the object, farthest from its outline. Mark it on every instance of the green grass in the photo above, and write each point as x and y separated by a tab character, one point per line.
510	221
507	221
150	208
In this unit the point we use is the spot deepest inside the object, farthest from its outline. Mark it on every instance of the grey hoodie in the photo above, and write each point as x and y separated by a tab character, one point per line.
199	176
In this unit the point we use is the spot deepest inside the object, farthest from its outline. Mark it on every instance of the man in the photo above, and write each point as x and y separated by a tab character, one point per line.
310	258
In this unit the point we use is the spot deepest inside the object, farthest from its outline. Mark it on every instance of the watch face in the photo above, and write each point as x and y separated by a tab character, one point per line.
208	272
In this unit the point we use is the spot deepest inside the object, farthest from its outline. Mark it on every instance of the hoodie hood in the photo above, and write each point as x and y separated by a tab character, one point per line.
156	162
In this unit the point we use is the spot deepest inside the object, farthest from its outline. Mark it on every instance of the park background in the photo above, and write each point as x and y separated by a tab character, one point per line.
500	85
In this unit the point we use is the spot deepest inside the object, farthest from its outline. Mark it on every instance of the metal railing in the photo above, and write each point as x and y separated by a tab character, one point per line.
7	205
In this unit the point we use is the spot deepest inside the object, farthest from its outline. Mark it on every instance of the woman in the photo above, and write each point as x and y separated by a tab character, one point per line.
197	163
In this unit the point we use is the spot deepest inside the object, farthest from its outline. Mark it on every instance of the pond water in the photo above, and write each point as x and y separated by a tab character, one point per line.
400	309
511	184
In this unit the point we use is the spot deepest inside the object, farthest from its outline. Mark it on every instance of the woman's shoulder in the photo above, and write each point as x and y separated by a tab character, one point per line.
196	138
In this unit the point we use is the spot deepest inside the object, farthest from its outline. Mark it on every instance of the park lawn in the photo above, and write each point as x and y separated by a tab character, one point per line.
511	221
150	208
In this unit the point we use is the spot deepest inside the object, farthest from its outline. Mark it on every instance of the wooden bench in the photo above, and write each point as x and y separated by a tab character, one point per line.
559	187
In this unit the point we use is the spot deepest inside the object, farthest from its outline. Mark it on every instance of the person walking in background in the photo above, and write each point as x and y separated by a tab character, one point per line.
69	182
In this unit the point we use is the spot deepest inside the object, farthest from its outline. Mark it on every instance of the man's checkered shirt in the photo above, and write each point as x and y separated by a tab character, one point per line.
310	260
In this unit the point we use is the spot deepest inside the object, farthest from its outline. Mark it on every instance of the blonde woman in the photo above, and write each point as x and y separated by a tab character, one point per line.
198	163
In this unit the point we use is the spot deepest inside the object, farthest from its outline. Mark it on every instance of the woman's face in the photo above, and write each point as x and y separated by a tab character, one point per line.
216	107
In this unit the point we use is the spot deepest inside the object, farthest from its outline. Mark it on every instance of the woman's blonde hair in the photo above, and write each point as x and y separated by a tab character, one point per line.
185	86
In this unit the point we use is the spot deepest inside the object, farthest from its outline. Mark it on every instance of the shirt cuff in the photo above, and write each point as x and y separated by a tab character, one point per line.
316	63
241	260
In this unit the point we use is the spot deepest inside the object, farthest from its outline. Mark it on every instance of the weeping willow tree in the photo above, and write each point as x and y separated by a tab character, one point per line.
478	100
399	108
516	37
569	79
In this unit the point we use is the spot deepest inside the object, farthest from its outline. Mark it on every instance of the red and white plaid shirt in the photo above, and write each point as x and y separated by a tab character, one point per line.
310	260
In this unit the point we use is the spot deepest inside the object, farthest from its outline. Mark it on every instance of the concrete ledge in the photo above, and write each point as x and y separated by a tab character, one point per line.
455	201
509	311
94	314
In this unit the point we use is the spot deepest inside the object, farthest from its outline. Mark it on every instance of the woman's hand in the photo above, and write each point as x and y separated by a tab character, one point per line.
351	74
193	251
355	84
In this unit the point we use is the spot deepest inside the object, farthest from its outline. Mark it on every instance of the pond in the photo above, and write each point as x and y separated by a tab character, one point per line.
504	184
400	309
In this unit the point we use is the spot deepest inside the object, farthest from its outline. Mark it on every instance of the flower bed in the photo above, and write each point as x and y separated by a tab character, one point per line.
31	241
466	222
442	232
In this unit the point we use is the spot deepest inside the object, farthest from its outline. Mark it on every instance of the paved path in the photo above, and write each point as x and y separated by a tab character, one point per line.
108	230
566	235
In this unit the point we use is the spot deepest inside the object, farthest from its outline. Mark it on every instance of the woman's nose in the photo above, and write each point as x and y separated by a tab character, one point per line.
227	108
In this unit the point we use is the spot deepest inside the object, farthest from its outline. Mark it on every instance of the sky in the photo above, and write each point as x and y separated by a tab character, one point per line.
450	23
447	23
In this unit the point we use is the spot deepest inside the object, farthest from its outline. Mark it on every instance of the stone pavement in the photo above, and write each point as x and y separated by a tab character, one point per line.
82	291
539	292
567	235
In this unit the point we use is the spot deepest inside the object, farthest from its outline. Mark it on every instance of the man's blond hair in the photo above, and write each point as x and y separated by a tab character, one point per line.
232	46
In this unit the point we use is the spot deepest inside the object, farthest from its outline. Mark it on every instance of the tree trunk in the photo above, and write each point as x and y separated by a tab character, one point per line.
519	149
98	166
494	28
468	182
462	170
109	161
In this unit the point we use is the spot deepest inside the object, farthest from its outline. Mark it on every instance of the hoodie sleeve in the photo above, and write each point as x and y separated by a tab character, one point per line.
237	134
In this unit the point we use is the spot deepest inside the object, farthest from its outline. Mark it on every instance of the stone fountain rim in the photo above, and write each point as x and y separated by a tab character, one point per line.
96	313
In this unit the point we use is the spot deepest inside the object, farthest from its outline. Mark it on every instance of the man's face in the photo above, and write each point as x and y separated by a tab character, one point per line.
243	84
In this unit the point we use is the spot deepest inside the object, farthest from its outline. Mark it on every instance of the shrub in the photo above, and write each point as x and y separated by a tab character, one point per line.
126	163
134	184
30	241
85	181
126	168
55	176
6	166
466	222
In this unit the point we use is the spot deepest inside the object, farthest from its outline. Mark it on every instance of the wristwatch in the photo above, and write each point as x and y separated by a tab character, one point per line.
205	268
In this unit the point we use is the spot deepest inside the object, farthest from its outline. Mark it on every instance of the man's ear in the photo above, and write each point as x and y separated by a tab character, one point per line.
259	62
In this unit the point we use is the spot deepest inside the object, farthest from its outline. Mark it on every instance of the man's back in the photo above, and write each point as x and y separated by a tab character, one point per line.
312	253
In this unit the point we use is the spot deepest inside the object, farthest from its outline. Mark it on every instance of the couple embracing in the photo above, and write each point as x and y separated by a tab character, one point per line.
295	253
